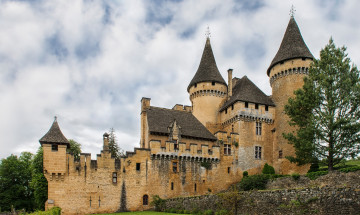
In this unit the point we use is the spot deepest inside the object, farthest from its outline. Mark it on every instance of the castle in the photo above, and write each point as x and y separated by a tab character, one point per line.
187	150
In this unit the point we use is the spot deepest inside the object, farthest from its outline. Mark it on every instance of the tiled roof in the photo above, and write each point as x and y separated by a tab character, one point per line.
54	135
292	46
159	119
207	71
246	91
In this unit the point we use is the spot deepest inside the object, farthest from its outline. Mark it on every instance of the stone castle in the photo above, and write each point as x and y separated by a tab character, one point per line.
187	150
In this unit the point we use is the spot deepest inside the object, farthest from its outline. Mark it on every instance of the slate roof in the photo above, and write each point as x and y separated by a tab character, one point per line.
246	91
292	46
207	71
159	120
54	135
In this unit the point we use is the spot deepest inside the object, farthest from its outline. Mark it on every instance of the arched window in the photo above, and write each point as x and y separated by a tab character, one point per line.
145	199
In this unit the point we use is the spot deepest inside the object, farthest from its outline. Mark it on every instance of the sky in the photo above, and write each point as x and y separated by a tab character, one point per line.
90	62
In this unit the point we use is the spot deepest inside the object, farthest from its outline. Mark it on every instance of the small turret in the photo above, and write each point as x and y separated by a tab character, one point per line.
207	89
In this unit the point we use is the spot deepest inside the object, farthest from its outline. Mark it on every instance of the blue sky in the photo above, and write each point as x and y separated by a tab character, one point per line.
90	62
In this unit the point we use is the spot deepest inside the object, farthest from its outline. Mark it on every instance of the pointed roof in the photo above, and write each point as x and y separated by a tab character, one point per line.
159	120
54	135
292	46
207	71
246	91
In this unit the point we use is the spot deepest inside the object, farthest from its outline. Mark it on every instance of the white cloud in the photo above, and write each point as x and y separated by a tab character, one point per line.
90	62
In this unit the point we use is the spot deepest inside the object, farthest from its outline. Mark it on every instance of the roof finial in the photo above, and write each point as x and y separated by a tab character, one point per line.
292	11
55	118
207	33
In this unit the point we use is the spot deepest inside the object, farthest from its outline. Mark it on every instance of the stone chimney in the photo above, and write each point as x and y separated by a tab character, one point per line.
145	103
106	142
230	86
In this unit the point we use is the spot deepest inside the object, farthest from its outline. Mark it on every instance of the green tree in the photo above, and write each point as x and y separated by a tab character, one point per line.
75	149
38	182
114	148
15	177
326	110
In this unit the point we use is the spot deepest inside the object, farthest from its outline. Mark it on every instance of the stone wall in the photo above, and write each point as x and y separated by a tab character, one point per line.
324	200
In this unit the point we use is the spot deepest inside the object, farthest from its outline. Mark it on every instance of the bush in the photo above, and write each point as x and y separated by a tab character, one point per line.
187	212
268	169
350	169
173	210
245	173
208	212
206	165
222	212
196	211
315	175
295	176
253	182
158	202
52	211
314	167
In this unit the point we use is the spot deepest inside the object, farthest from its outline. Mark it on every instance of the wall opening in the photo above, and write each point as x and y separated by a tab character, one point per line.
137	166
54	147
145	199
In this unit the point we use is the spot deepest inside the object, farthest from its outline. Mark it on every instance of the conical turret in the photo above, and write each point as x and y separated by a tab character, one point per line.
207	71
54	135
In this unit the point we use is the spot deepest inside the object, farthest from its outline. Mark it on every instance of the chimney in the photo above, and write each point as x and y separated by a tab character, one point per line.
145	103
106	142
230	82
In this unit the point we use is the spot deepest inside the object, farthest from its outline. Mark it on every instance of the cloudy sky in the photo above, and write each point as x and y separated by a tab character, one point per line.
91	62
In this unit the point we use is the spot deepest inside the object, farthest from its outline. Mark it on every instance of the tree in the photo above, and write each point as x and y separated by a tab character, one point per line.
38	182
326	110
114	148
75	149
15	177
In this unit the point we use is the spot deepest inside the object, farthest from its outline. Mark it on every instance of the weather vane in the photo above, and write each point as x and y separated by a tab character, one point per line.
55	118
207	32
292	11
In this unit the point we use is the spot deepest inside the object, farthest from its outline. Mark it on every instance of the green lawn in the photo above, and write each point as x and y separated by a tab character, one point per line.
141	213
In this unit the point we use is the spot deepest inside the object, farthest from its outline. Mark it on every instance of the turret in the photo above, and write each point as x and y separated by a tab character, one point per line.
286	73
207	89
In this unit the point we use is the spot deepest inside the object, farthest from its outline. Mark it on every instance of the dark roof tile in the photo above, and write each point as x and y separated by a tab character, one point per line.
54	135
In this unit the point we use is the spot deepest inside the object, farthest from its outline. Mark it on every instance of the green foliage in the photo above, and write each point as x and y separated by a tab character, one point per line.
295	176
222	212
158	202
15	177
326	110
173	210
196	211
245	173
314	167
350	169
206	165
186	212
315	175
75	149
114	147
268	169
38	181
254	182
236	144
208	212
52	211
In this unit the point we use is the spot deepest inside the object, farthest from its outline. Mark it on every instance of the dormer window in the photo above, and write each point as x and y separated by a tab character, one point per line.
213	83
195	85
256	106
266	108
246	105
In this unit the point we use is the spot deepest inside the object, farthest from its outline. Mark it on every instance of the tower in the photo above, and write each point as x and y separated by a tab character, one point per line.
207	89
286	72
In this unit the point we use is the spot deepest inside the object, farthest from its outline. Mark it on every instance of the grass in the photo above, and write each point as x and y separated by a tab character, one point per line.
141	213
348	163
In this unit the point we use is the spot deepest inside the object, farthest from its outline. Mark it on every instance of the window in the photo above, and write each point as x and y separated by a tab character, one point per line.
257	152
256	106
226	111
145	199
266	108
258	128
195	85
213	83
246	104
172	185
176	146
227	149
195	187
114	177
175	167
232	107
229	170
54	147
137	166
280	154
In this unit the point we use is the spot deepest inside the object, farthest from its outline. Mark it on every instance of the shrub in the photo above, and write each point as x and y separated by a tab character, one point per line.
207	165
196	211
158	202
208	212
268	169
350	169
236	144
187	212
295	176
222	212
315	175
173	210
253	182
245	173
52	211
314	167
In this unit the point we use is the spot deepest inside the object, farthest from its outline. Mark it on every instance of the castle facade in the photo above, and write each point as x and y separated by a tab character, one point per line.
230	127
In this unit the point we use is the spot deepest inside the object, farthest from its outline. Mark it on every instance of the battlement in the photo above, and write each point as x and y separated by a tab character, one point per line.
171	148
180	107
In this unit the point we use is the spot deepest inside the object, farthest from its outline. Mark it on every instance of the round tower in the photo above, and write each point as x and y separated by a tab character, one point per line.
207	89
286	73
